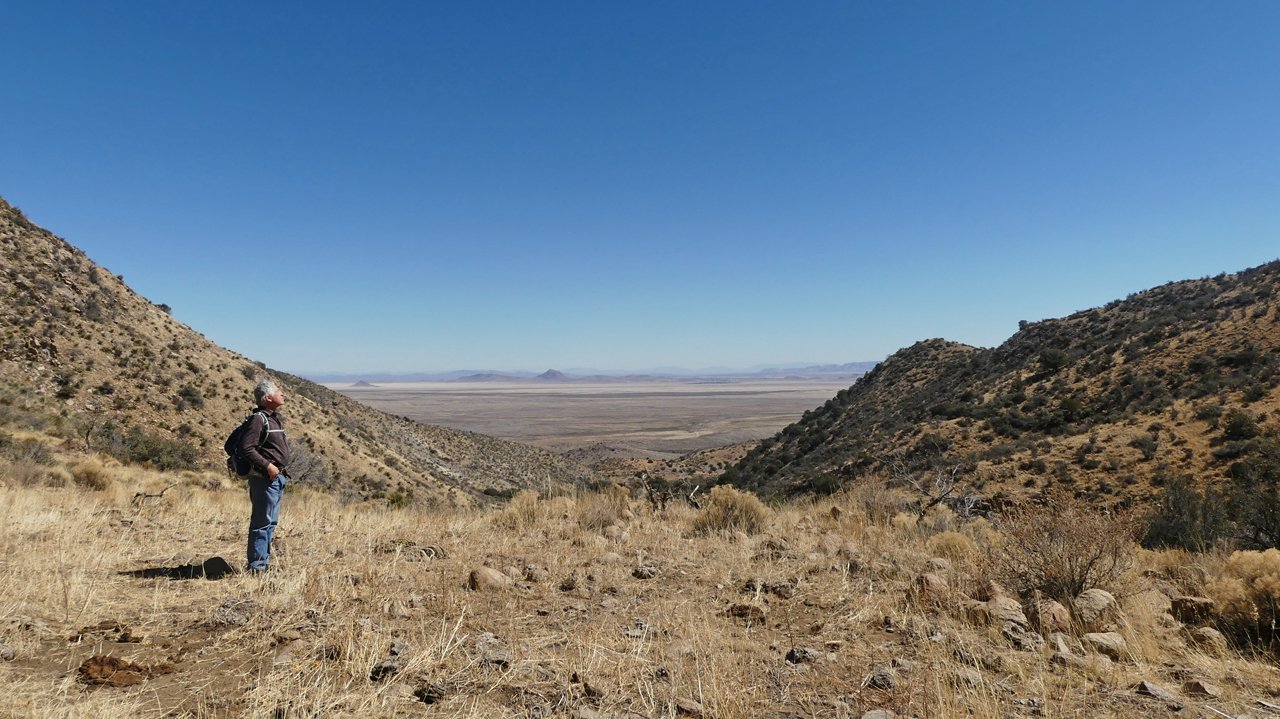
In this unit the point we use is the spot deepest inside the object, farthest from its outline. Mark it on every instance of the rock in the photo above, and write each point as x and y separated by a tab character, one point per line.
1051	616
569	583
967	677
645	572
1210	639
1110	644
835	513
1065	643
938	564
399	649
905	666
290	652
803	655
429	693
610	558
1019	637
1200	688
879	714
492	650
1094	609
1151	689
932	588
1191	610
1001	609
384	669
400	691
7	653
688	707
535	574
216	568
881	679
488	578
586	712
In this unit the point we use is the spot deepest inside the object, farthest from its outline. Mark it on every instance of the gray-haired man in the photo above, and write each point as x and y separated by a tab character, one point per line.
266	449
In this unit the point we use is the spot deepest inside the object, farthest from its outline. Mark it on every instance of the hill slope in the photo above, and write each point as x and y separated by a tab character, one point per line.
1106	403
86	357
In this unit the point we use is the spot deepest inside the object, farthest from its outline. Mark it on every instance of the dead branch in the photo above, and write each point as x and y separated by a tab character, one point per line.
141	497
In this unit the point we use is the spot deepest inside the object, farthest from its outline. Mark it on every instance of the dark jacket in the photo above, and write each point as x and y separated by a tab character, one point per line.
274	449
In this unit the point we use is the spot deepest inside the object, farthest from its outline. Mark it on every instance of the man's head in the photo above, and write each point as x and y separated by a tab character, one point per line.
268	395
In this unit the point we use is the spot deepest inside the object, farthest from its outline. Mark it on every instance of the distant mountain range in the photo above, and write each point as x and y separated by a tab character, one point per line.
799	370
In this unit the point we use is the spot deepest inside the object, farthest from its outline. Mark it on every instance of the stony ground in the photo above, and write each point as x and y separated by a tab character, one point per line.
571	606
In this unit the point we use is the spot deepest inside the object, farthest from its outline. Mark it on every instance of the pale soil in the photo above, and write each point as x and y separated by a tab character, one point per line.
648	419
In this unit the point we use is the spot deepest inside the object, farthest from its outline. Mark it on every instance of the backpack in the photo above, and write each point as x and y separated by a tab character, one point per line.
236	464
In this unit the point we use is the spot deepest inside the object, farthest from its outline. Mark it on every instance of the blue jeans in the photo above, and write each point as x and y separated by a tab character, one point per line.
265	496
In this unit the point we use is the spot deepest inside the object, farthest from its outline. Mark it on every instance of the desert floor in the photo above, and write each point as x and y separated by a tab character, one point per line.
676	416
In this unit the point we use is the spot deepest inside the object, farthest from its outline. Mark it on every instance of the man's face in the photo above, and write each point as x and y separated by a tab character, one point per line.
275	401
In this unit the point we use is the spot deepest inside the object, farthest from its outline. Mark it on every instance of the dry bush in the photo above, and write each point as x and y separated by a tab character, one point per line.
22	474
878	502
952	545
90	474
1248	595
527	510
727	509
601	509
1063	547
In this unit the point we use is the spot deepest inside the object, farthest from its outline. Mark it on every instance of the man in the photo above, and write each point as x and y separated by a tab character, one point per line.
266	449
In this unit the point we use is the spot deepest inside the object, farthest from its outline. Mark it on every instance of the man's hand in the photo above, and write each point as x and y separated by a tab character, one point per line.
272	471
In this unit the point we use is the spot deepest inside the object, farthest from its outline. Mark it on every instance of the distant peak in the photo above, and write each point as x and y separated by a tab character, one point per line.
553	374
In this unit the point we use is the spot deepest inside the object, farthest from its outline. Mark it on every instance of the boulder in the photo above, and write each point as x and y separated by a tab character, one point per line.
1096	663
932	588
1050	616
1152	689
7	653
1095	609
1200	688
881	678
1210	640
1192	610
688	707
1001	609
1065	643
1019	637
1110	644
803	655
384	669
879	714
488	578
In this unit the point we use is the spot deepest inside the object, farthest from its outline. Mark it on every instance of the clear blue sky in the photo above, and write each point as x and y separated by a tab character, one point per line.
433	186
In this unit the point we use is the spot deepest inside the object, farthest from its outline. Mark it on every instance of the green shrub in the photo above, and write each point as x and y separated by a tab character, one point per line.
1187	518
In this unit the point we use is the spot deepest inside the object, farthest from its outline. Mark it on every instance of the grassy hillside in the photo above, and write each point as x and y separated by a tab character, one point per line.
88	359
1109	404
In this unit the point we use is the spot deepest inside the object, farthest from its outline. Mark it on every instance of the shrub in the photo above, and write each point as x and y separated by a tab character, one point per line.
727	509
1248	594
90	474
601	509
1255	495
1237	424
952	545
521	511
1052	360
1186	518
1063	547
1147	444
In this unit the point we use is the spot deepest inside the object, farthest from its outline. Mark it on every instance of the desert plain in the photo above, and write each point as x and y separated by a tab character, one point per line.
661	418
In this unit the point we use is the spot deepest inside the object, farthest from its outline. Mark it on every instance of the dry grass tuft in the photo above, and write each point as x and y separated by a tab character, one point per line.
952	545
727	509
91	474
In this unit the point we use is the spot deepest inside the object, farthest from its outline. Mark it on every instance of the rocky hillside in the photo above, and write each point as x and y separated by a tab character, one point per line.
1172	383
87	358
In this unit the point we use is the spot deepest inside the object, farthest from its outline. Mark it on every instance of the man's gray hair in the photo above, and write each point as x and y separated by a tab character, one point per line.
265	389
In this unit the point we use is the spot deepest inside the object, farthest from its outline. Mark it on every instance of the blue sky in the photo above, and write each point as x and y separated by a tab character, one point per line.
432	186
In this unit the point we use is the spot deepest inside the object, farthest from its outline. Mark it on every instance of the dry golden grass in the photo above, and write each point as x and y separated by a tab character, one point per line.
586	633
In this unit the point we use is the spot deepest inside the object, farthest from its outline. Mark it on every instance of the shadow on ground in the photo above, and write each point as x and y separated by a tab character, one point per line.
212	568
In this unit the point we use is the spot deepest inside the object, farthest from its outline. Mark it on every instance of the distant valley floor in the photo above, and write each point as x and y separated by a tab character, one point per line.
658	419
